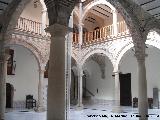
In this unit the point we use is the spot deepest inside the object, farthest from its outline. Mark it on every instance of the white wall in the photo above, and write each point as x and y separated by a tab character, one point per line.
129	65
105	86
26	78
32	13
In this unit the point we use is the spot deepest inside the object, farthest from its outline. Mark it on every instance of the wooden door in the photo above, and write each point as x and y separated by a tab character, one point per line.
125	89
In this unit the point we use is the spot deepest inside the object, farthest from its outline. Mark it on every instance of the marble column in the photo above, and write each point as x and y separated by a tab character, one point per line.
4	56
117	108
41	107
56	102
44	15
115	27
142	87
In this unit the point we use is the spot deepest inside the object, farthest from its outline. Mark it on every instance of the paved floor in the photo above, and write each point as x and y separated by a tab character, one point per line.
89	112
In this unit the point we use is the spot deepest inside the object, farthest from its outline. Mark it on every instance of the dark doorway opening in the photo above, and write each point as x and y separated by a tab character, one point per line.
125	89
9	95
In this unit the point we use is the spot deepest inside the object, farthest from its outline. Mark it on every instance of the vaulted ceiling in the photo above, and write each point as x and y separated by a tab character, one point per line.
150	6
100	59
4	4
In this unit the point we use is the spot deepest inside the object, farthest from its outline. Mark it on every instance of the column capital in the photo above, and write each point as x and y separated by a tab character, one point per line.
57	30
59	11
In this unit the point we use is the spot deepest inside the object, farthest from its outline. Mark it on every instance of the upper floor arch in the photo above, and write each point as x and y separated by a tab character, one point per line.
152	40
97	51
95	3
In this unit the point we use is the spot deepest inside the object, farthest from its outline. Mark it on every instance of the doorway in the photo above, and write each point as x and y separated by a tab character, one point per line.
9	95
125	89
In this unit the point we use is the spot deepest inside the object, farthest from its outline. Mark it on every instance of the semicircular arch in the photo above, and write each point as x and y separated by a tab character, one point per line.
30	47
94	3
152	40
97	51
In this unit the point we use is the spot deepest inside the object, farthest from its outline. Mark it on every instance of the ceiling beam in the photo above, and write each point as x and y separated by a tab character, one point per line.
92	18
104	9
147	2
153	8
89	20
100	12
4	2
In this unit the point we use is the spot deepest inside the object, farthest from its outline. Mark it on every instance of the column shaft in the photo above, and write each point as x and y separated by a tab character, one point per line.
41	106
80	71
80	86
142	89
68	64
56	102
117	107
3	75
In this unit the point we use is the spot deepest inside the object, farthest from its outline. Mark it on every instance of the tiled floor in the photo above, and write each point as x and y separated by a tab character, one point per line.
95	110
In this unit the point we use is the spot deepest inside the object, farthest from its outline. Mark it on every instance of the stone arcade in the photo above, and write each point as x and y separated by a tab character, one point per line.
85	48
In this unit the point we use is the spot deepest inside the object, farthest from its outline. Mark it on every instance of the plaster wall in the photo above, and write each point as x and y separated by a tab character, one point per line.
129	65
101	88
26	78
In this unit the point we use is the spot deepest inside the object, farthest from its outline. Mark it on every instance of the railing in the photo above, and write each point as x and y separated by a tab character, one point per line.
88	91
75	38
29	26
98	35
122	28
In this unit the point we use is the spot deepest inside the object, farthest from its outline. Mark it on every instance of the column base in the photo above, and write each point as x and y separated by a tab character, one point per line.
117	109
40	109
79	107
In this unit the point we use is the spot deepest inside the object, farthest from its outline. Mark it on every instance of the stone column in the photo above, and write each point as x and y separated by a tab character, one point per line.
4	56
142	87
117	107
44	15
41	107
80	71
68	43
115	27
56	102
80	87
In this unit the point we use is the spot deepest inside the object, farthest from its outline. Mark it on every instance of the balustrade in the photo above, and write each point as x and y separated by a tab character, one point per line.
29	26
98	35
